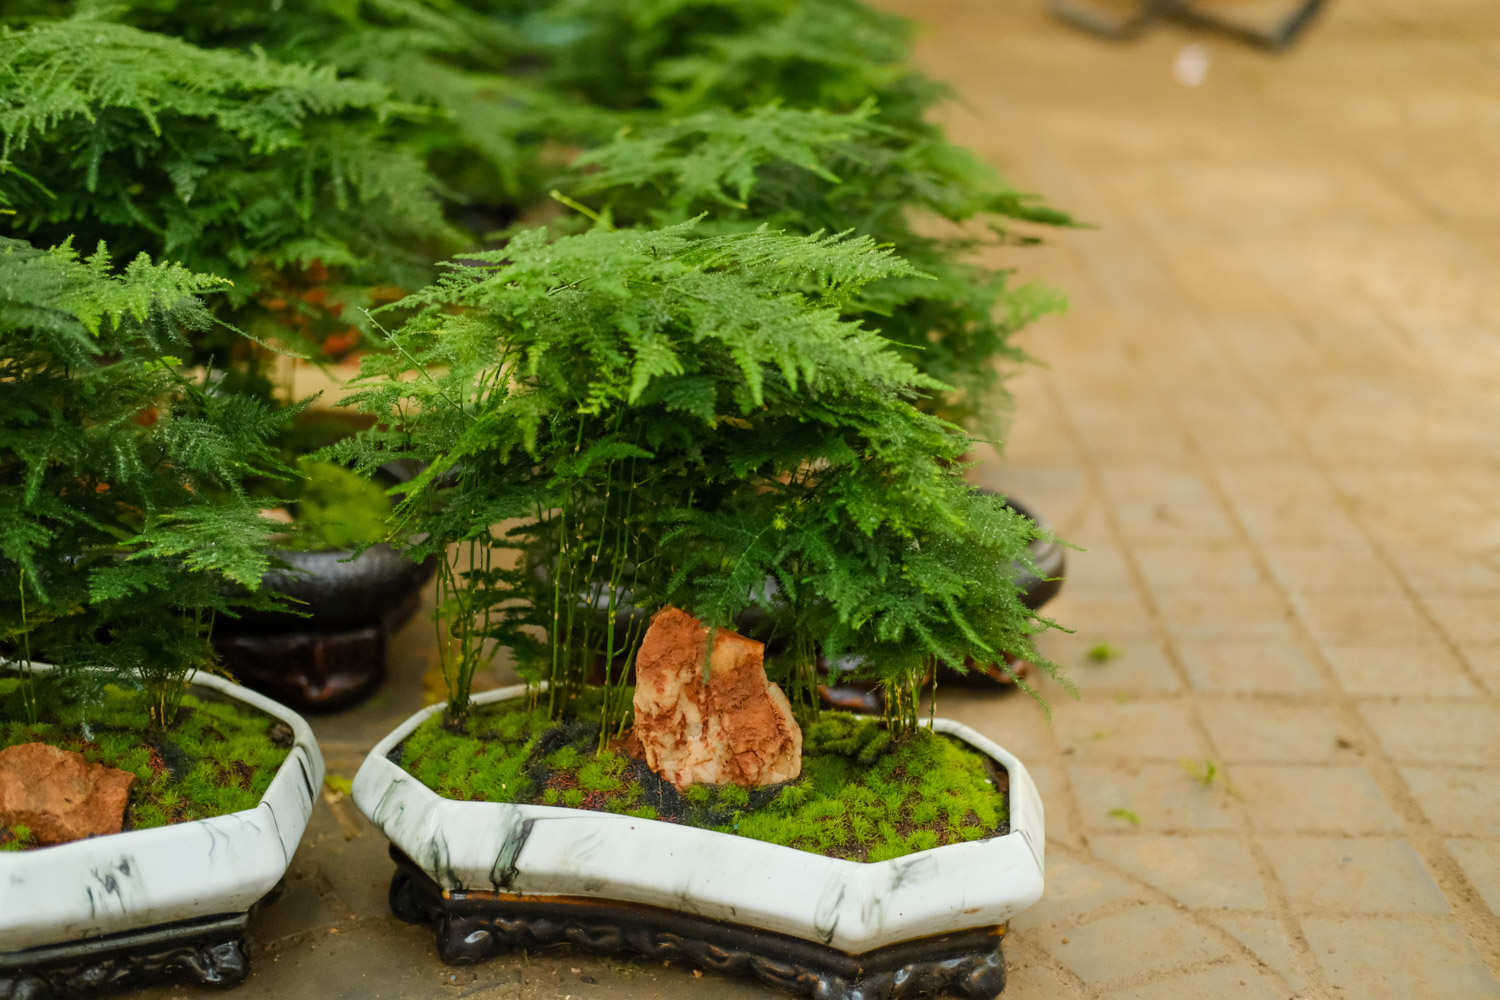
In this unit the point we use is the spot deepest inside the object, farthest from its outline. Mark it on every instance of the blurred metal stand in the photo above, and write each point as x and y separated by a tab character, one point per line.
1121	22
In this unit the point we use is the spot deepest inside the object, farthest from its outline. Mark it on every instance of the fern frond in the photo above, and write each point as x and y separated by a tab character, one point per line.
124	524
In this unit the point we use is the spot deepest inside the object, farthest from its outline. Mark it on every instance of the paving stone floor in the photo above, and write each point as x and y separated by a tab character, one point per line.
1270	420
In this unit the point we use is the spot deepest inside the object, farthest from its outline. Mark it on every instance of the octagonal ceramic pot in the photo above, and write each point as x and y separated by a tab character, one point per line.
495	875
167	902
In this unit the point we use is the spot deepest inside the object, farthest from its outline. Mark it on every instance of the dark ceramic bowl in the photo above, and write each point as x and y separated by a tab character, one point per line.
332	653
1040	586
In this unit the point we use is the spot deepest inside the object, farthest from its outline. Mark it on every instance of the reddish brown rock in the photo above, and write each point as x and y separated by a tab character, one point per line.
59	795
734	728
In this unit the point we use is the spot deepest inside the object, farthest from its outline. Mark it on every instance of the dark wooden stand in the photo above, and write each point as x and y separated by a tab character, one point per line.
208	952
473	926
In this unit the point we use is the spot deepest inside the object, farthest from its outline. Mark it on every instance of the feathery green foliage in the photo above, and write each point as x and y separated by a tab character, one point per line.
232	163
808	171
678	71
687	55
682	417
122	510
754	111
718	417
482	124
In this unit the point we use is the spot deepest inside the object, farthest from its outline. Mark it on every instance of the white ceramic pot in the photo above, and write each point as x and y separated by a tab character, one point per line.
849	906
128	882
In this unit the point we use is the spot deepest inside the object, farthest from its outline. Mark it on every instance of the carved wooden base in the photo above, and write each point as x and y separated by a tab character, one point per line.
311	670
207	952
312	666
473	926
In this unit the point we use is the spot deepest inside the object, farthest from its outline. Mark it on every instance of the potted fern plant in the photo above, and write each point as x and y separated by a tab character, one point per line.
125	527
812	170
752	113
298	186
685	415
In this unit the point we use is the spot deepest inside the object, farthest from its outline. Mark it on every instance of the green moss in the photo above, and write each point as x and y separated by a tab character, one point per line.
218	758
17	838
602	774
337	509
564	759
484	760
862	795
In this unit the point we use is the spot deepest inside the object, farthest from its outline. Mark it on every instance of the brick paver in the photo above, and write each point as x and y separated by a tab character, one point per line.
1269	419
1285	434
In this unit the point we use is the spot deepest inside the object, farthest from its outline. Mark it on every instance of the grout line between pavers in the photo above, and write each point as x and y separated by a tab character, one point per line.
1237	761
1057	760
1114	907
1305	833
1165	976
1477	922
1310	967
1036	953
1150	895
1414	196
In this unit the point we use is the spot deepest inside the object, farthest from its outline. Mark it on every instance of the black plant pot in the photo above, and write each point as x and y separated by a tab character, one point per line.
334	655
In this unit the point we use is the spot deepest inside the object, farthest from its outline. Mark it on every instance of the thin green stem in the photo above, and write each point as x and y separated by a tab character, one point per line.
28	679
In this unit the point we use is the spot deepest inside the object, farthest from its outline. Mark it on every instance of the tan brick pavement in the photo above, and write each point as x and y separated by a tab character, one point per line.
1270	418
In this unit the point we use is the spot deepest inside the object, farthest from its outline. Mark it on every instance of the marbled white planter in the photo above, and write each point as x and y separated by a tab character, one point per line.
496	875
168	902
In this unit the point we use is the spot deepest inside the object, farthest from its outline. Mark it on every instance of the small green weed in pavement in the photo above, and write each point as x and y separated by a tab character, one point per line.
1103	653
1205	771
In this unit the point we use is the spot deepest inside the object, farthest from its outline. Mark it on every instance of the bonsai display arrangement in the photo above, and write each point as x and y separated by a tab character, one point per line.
688	457
145	806
684	416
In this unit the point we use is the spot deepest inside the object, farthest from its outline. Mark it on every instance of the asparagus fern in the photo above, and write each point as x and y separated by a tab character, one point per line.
124	526
683	416
233	163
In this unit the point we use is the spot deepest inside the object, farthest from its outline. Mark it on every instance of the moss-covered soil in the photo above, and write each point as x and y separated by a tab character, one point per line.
218	758
861	796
